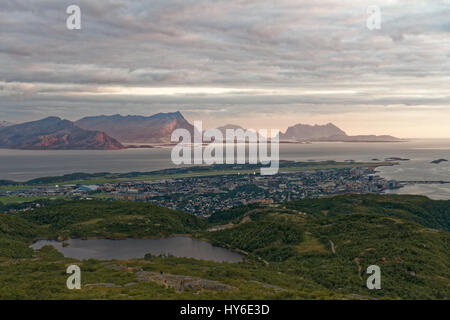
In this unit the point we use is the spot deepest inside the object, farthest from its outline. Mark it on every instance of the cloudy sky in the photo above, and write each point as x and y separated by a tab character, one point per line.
257	63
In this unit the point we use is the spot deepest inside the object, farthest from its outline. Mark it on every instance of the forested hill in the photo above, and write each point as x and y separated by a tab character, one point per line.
418	209
112	219
332	241
313	249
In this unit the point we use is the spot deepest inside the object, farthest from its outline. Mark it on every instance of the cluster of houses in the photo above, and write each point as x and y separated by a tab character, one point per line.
208	194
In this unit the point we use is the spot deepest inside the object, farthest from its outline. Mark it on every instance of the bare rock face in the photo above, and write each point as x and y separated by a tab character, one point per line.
157	128
53	133
329	132
308	132
223	130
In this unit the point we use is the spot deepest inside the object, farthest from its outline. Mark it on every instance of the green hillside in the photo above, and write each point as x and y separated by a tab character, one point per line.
419	209
15	234
112	220
414	259
309	249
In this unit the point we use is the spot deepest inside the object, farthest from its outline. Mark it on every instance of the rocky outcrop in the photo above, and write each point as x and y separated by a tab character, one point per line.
157	128
330	133
308	132
53	133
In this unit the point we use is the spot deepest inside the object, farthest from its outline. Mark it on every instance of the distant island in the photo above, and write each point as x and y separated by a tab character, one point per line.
439	161
53	133
134	129
118	132
396	159
328	133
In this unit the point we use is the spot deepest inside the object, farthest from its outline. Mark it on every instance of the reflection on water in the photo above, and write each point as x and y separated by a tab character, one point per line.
432	191
105	249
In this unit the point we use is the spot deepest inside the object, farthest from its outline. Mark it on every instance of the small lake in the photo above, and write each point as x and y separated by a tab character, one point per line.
105	249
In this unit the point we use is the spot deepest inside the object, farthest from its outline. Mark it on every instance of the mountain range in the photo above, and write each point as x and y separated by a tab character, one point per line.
305	131
116	132
53	133
138	129
223	130
329	132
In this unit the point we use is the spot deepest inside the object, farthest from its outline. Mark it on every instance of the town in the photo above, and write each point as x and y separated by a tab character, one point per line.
205	195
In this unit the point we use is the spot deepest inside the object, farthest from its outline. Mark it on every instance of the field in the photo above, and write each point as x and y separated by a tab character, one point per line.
6	200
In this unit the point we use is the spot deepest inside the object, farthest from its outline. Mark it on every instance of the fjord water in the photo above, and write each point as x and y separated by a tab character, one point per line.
22	165
105	249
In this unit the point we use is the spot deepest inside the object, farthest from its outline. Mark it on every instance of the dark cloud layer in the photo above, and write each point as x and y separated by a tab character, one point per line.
222	58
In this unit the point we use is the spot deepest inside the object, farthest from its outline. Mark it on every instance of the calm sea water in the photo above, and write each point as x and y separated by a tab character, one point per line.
21	165
104	249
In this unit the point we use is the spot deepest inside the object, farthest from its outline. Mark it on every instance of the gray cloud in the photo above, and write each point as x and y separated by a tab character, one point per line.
302	46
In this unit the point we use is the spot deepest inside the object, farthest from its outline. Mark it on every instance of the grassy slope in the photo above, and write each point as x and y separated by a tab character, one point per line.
414	260
364	230
7	200
300	264
112	219
15	234
419	209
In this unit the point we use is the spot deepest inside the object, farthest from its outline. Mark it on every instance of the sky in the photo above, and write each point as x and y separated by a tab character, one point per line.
255	63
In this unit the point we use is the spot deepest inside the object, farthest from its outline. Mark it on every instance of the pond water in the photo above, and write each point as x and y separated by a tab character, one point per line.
105	249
